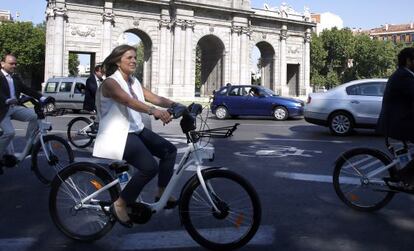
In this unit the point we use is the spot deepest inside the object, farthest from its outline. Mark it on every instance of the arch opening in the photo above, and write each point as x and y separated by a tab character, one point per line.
209	65
265	65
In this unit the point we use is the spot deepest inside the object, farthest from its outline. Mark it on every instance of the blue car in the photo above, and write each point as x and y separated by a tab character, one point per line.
252	100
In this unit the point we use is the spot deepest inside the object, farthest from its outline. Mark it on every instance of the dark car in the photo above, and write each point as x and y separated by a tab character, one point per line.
252	100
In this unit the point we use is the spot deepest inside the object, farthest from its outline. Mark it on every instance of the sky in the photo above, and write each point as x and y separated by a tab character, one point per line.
365	14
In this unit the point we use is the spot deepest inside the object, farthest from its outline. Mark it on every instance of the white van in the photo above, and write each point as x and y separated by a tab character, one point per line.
69	92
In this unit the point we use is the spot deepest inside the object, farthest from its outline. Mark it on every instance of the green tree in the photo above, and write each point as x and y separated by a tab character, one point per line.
73	64
139	72
27	43
318	56
198	69
373	58
340	46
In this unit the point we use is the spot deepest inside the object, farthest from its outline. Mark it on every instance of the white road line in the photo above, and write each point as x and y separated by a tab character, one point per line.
16	244
305	140
304	177
181	239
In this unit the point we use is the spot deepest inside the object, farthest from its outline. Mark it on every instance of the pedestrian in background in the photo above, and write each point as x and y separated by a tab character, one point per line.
92	84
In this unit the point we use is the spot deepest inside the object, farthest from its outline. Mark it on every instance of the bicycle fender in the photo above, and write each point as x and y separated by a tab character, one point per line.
358	150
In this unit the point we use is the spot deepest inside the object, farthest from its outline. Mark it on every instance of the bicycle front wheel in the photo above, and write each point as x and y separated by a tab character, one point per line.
48	161
86	221
239	213
355	183
79	132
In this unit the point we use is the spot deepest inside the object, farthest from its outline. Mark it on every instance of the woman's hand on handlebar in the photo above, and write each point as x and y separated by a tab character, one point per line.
163	115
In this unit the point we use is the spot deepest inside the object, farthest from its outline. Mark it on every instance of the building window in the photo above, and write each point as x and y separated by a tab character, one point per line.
402	38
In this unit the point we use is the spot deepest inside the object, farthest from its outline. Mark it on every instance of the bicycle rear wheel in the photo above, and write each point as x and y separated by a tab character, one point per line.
83	222
239	210
60	155
79	132
353	186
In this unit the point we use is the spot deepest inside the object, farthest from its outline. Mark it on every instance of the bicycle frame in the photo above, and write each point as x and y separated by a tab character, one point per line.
43	127
193	157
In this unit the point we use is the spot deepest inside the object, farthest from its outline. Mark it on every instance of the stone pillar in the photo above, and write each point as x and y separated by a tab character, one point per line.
163	48
284	91
275	72
177	57
188	84
55	16
235	55
108	19
244	57
306	56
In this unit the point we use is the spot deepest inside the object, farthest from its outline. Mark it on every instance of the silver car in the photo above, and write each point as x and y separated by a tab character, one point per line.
69	92
356	104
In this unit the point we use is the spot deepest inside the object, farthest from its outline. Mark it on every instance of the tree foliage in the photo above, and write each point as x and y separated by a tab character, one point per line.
73	64
27	43
139	72
338	56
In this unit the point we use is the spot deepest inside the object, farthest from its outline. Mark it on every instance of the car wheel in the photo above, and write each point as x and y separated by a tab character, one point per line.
221	112
341	124
280	113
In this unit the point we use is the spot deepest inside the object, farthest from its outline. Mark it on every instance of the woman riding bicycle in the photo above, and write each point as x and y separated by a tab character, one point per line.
122	135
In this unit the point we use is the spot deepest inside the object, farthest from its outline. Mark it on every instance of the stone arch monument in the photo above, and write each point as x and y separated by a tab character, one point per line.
226	32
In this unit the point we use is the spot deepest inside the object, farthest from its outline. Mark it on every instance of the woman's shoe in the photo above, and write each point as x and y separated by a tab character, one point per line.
127	223
171	203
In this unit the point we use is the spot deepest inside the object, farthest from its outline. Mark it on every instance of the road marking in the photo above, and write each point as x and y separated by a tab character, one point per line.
305	177
276	151
306	140
16	244
181	239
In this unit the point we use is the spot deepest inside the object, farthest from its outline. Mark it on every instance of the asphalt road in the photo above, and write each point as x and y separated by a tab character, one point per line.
290	164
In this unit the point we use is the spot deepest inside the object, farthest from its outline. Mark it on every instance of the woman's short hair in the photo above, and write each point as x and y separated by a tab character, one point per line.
109	65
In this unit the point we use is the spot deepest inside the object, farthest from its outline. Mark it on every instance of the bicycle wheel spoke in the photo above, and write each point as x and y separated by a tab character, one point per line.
232	225
355	183
80	221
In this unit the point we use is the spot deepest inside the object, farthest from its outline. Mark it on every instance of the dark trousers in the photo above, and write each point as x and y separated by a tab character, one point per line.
139	151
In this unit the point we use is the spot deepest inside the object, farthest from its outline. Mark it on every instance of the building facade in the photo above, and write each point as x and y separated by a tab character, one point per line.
393	32
171	30
5	15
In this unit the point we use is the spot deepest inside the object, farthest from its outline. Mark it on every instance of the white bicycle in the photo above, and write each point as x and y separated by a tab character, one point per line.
49	153
218	208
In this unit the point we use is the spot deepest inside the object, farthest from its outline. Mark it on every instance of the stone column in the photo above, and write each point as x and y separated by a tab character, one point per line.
275	72
306	56
235	55
188	63
163	61
284	91
245	76
108	19
56	52
177	59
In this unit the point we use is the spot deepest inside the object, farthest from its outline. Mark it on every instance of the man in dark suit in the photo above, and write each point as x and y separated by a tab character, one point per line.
396	119
11	87
92	84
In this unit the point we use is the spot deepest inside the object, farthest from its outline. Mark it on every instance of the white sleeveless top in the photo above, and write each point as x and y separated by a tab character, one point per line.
116	120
